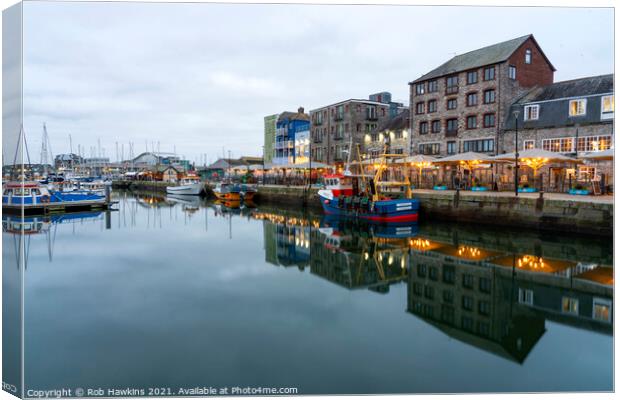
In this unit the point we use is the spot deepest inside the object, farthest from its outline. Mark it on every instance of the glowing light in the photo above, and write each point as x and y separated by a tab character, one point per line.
468	251
365	256
531	262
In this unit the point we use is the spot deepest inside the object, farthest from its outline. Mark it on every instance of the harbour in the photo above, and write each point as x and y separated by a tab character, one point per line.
357	308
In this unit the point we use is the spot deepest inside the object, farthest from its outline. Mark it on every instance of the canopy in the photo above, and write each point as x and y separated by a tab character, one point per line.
467	157
417	159
536	158
255	167
305	165
599	155
537	153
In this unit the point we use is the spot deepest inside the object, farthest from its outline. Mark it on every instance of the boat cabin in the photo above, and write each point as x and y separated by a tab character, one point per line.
24	193
340	185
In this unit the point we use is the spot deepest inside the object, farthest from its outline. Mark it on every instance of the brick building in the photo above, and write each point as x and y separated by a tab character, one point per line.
570	117
335	127
461	105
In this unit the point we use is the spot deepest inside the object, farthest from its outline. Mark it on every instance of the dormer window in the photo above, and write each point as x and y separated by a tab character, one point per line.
531	113
607	107
528	56
577	107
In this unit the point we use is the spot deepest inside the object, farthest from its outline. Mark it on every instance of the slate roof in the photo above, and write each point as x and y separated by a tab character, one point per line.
581	87
398	122
493	54
293	116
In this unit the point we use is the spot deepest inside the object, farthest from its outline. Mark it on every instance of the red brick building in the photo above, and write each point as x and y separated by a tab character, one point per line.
461	105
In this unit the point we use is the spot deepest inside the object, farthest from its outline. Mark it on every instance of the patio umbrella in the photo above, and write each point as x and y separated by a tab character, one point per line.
599	155
420	161
536	158
469	160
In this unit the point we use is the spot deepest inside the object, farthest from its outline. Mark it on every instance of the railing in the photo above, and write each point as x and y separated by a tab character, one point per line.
452	89
452	133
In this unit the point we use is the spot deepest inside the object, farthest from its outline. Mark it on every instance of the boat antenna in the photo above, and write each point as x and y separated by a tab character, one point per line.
347	170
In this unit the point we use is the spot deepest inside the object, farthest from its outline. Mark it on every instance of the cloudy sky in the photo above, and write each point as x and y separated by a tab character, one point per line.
199	78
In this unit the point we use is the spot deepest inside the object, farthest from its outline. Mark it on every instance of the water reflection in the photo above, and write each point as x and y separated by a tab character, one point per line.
497	292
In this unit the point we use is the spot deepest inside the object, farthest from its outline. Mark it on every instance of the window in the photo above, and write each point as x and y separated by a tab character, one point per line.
489	73
489	120
485	285
432	273
526	296
484	308
371	112
422	270
451	104
467	323
452	84
593	143
428	148
479	145
429	292
419	108
417	288
448	296
601	309
419	88
607	107
451	147
432	86
472	77
489	96
432	106
468	281
528	144
452	126
472	99
358	127
577	107
448	274
559	145
570	305
512	72
468	303
531	112
472	122
436	126
423	128
447	313
528	56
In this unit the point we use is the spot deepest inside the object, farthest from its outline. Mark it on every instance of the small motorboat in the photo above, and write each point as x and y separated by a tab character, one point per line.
227	191
189	185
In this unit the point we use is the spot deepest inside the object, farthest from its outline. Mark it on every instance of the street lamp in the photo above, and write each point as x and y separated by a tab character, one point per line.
516	114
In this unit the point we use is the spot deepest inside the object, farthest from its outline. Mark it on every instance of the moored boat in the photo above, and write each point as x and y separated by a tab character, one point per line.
190	185
33	194
227	191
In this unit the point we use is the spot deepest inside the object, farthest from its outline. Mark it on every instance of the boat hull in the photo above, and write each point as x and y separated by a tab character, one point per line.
383	211
228	196
193	189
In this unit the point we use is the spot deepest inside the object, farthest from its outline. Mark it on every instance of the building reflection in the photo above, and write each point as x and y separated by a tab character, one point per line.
497	301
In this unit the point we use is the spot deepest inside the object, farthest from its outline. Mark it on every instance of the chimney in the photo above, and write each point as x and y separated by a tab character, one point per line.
300	110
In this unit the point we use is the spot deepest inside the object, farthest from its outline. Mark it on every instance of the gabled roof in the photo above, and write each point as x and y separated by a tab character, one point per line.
493	54
581	87
293	116
398	122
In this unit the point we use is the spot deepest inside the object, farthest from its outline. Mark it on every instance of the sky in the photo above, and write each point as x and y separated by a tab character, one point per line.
200	78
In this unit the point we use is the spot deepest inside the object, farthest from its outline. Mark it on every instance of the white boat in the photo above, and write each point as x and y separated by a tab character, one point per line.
188	185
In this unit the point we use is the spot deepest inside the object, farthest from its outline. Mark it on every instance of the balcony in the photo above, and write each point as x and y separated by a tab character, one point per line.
372	117
452	133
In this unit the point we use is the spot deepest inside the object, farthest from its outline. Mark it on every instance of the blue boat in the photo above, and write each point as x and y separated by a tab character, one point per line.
33	193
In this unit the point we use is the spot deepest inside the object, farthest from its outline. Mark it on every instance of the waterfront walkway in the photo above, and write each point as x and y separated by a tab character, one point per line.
603	199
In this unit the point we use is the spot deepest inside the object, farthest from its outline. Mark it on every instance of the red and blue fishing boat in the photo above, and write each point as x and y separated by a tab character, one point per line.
368	197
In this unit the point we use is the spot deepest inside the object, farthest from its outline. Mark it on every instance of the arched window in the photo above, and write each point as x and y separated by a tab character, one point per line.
528	56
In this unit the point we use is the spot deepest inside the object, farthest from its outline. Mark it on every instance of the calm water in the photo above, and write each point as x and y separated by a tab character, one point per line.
181	293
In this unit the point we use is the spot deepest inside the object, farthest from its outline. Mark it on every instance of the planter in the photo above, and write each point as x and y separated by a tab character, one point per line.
580	192
440	187
527	190
478	188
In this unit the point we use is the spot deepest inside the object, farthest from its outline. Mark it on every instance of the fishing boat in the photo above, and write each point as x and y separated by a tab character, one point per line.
227	191
247	192
31	195
369	197
190	185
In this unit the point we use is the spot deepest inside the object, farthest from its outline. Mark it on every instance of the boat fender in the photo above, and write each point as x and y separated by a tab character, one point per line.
326	201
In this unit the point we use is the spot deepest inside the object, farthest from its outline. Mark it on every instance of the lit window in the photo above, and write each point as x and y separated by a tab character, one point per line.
559	145
528	144
607	107
577	107
528	56
531	112
601	309
570	305
593	143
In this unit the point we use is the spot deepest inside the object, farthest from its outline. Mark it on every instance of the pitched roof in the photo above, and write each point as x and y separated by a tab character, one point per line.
591	85
399	121
293	116
493	54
